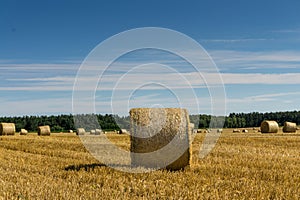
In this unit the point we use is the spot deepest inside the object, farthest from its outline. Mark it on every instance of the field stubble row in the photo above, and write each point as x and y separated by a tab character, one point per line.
241	166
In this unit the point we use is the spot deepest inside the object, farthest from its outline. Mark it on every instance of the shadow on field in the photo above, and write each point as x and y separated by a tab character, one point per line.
85	167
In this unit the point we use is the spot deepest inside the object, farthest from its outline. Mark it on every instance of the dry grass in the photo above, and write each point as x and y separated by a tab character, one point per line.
242	166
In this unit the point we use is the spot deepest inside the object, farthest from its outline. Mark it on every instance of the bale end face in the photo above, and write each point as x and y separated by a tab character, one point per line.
152	129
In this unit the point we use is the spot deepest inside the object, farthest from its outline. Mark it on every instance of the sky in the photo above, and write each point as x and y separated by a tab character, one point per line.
255	46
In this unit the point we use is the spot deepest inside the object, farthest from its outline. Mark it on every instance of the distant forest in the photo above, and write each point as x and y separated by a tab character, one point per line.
109	122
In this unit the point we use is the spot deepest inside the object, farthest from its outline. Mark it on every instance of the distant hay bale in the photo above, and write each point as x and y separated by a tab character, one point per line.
80	131
219	130
259	130
23	132
289	127
98	131
245	131
122	131
153	129
44	130
7	128
269	127
199	131
236	130
70	131
93	132
191	127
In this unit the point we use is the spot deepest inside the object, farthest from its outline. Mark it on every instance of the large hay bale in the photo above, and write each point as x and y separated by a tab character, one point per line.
7	128
153	129
269	126
245	131
23	132
236	130
80	131
44	130
289	127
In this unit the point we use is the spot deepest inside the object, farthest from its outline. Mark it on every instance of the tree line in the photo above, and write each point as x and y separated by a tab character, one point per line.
108	122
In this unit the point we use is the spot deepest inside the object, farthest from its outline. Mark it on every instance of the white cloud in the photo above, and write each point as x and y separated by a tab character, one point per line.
171	80
235	40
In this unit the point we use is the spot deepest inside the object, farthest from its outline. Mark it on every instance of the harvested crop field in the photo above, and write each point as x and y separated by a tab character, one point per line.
241	166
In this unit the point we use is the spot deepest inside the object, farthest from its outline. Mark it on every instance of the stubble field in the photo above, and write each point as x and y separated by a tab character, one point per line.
241	166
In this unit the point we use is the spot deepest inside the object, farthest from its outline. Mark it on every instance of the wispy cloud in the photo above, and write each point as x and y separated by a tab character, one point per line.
171	80
296	30
262	98
235	40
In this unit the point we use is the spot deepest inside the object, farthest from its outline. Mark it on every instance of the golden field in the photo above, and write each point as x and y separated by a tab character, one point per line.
241	166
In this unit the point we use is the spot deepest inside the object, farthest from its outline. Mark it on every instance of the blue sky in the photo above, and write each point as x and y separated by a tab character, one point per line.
255	45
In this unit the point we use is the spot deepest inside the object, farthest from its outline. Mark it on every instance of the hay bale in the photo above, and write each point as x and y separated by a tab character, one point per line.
154	128
44	130
199	131
98	131
219	130
23	132
269	126
191	126
80	131
7	128
70	131
245	131
93	132
289	127
122	131
236	130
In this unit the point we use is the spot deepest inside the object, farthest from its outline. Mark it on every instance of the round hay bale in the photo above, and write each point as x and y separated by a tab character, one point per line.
80	131
236	130
245	131
23	132
7	128
98	131
93	132
219	130
269	127
199	131
191	126
289	127
122	131
70	131
44	130
154	128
